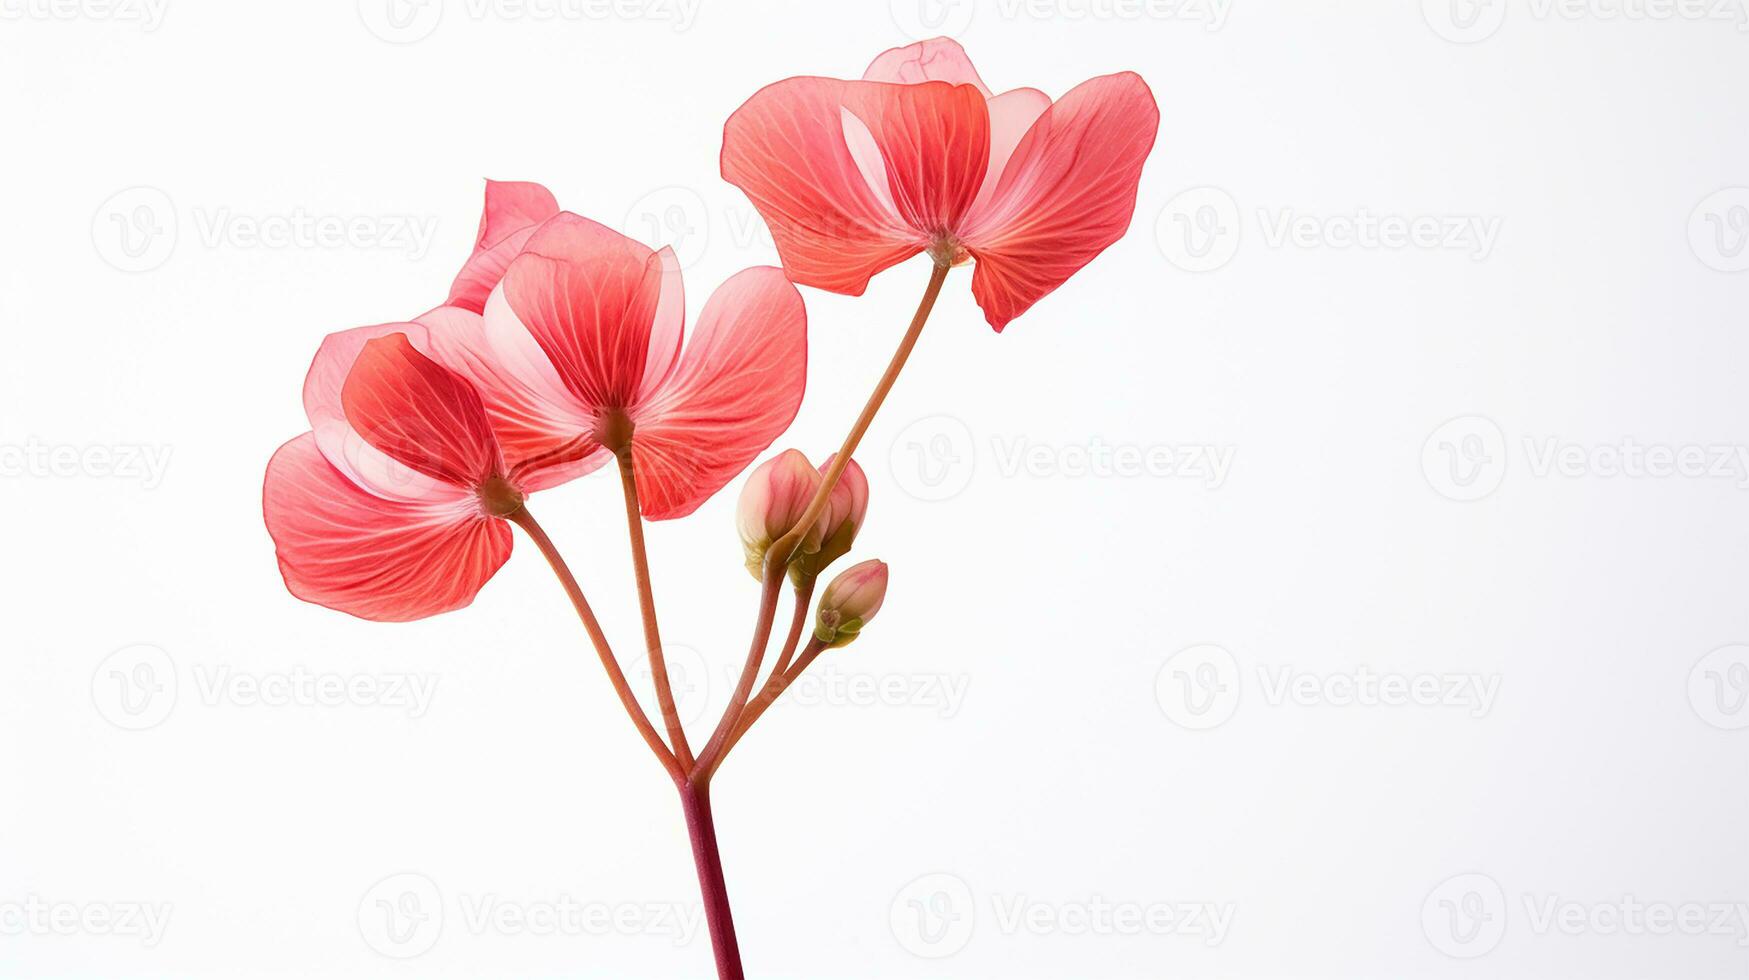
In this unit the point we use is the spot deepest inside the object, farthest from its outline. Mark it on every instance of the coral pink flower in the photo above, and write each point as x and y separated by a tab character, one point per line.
389	507
425	434
856	176
580	356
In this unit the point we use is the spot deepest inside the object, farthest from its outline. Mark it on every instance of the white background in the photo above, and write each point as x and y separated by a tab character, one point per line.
1016	765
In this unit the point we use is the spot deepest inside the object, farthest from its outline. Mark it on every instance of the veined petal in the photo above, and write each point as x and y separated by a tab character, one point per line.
939	59
420	413
342	547
543	435
514	209
815	156
736	388
348	451
1011	116
1067	192
934	139
590	297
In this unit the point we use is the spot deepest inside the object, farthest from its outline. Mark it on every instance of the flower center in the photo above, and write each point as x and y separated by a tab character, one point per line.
498	498
947	251
613	430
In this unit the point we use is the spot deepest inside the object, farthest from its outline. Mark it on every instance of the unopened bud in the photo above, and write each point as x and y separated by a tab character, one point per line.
850	601
774	499
838	523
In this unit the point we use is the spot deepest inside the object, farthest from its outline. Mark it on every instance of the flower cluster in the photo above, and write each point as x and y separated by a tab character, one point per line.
562	346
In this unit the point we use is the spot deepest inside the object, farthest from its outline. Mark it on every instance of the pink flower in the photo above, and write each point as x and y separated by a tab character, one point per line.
390	507
424	435
856	176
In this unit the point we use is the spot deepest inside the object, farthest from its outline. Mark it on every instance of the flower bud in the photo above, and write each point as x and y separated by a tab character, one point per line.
774	499
838	523
850	601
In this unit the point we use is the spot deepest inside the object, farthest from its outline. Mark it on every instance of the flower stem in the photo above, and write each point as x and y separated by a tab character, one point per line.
647	605
778	555
525	520
695	802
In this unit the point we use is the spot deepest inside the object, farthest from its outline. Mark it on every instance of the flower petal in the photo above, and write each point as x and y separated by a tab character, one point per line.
348	451
736	388
939	59
1068	191
342	547
854	177
538	425
590	297
514	209
420	413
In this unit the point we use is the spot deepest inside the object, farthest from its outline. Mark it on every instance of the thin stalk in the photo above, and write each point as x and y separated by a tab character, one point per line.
525	520
647	606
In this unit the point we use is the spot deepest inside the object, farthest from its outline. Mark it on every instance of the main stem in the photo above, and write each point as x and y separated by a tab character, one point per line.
695	802
695	785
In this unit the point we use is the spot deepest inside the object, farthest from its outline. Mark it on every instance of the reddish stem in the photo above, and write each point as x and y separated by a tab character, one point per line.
695	802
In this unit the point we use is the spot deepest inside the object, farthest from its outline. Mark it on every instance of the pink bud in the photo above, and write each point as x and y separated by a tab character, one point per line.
774	499
850	601
838	523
